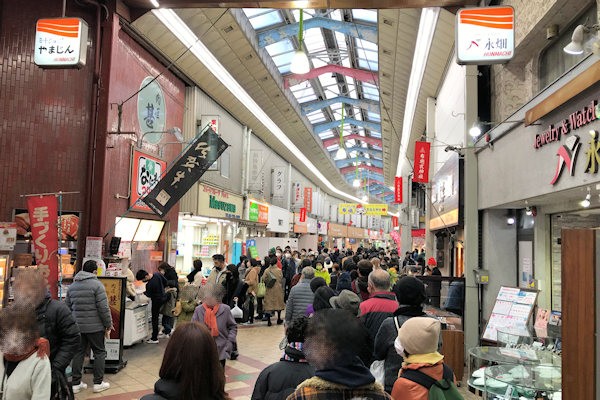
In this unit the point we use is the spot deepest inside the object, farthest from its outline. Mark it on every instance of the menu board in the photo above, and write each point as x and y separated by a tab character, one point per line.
512	311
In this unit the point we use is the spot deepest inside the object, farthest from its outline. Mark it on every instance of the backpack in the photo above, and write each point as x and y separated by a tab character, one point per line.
269	279
444	389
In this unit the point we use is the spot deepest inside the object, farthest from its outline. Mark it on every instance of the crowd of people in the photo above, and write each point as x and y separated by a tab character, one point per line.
355	327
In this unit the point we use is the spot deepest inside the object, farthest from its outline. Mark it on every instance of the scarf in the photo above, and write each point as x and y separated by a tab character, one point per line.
429	358
352	375
210	319
41	346
294	352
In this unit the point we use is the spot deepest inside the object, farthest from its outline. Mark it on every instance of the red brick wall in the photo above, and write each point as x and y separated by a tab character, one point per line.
129	66
45	114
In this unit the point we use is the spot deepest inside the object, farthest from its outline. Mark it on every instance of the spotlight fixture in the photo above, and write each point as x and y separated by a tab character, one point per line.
528	211
585	203
575	47
510	220
475	131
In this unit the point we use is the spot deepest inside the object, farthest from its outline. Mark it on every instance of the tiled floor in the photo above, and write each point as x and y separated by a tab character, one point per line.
259	347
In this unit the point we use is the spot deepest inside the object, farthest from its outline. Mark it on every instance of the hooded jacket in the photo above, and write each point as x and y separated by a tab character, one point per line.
56	323
87	300
407	389
279	380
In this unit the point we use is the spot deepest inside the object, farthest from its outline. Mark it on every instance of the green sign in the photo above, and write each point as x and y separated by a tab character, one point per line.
221	205
253	212
253	252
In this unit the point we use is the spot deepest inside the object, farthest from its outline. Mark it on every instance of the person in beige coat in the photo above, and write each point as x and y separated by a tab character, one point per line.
251	280
130	287
274	294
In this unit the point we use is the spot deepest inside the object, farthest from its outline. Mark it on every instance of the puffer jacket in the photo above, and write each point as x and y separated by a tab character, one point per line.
407	389
56	323
300	297
87	300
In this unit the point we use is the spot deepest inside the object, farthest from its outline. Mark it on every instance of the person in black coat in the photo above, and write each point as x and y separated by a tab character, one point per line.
279	380
55	323
172	282
155	290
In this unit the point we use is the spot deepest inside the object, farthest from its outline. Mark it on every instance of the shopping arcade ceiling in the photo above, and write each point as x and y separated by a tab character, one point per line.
356	57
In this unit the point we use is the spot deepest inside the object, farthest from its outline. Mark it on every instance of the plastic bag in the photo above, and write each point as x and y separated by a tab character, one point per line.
237	312
262	290
378	371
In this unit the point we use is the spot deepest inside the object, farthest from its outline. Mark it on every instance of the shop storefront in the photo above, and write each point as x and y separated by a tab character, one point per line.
356	238
337	235
215	231
307	231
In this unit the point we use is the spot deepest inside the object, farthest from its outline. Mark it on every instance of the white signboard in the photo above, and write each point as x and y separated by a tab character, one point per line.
485	35
93	247
60	42
278	182
8	236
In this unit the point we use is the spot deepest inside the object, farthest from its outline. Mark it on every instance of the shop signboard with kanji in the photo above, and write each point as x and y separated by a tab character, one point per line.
485	35
362	209
43	216
146	171
186	171
151	110
421	162
60	43
258	212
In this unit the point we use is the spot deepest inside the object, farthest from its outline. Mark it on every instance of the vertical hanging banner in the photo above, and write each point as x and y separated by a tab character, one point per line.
398	190
421	167
278	182
43	214
394	222
186	171
308	199
303	214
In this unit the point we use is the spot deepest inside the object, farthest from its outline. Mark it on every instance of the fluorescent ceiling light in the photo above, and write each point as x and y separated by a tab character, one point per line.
155	3
427	24
189	39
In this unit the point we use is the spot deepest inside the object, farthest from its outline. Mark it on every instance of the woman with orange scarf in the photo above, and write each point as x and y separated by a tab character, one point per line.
25	369
219	320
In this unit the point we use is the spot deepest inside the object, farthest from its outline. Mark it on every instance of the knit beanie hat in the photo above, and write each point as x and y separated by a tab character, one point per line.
410	291
420	335
316	283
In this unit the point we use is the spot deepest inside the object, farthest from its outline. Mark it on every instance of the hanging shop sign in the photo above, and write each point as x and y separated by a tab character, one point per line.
303	214
278	182
61	42
337	230
213	122
257	176
279	219
299	225
258	212
322	227
186	171
298	193
362	209
214	202
308	199
485	35
43	214
398	190
420	233
568	152
146	171
421	162
394	222
151	110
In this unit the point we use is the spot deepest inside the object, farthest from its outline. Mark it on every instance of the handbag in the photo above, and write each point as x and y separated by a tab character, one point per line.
378	371
261	291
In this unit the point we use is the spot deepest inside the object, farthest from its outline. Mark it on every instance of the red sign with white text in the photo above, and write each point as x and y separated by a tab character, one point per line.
43	214
421	167
394	222
308	199
398	189
146	171
303	214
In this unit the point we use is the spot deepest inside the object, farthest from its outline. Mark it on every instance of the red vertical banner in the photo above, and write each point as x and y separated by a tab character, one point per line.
421	166
43	214
394	222
308	199
398	189
303	214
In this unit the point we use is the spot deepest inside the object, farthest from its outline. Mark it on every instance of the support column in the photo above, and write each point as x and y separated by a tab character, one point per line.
471	214
430	129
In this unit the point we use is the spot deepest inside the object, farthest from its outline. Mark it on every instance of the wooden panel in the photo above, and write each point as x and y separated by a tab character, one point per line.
564	94
578	313
453	349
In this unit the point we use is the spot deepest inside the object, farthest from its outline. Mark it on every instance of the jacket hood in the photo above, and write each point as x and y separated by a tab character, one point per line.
83	275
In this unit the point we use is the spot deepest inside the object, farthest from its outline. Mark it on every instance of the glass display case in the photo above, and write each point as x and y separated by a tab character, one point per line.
523	382
4	264
484	357
526	339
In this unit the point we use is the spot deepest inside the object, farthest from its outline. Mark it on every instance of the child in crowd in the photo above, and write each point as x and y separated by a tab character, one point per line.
219	320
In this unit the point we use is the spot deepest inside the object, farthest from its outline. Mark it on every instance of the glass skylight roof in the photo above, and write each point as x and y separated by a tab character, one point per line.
334	48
